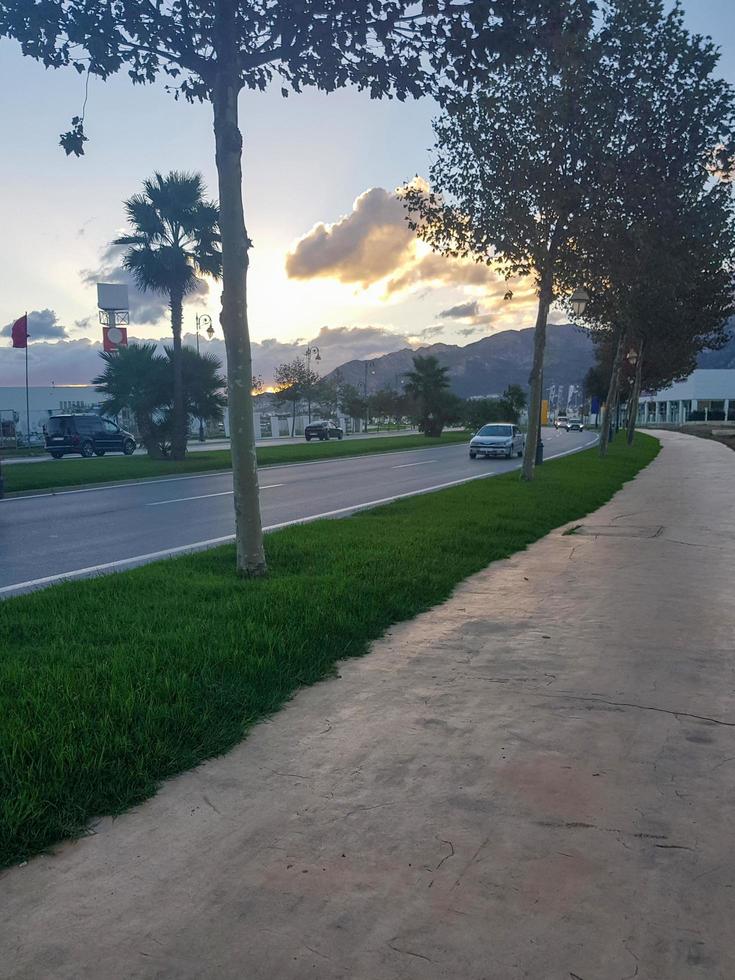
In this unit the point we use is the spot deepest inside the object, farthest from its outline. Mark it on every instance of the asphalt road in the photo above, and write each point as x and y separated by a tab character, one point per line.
48	537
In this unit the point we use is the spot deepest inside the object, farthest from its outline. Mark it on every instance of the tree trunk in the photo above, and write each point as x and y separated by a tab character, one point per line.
536	378
148	436
234	317
180	420
612	393
635	396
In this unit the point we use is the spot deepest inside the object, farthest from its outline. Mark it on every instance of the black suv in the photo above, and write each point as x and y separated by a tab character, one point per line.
90	435
322	430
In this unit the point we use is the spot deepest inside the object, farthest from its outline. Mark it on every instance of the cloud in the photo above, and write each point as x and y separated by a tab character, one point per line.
439	270
460	312
78	361
42	325
362	247
337	345
144	307
469	331
433	331
374	245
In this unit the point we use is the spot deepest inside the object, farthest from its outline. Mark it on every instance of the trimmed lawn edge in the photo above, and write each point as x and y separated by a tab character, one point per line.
109	686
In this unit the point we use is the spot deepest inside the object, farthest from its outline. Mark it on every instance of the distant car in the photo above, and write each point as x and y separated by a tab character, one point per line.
561	422
89	435
323	430
498	439
577	424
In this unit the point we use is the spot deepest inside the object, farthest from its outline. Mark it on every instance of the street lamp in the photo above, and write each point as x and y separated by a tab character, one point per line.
201	319
368	364
580	299
312	349
632	357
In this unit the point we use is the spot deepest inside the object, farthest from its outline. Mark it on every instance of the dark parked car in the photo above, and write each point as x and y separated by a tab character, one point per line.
90	435
323	430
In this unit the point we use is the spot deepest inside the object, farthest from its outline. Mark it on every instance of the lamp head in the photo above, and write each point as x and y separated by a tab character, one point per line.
580	299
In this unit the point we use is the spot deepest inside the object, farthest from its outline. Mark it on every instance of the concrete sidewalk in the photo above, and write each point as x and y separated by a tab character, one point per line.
534	780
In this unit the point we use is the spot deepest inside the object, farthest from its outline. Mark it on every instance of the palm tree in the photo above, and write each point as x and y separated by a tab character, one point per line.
139	379
204	386
174	242
136	379
428	384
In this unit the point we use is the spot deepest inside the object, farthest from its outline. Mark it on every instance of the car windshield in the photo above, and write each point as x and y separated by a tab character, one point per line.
496	430
57	427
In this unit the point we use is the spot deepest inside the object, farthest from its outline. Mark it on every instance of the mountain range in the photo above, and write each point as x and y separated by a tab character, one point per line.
487	366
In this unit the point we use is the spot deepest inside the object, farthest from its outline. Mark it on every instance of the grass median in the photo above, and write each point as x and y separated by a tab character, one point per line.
76	472
109	686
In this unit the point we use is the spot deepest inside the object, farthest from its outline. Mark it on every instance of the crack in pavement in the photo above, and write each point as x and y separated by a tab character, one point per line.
364	809
579	825
641	707
618	704
407	952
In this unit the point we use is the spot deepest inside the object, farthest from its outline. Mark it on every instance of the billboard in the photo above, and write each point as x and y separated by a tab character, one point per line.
112	296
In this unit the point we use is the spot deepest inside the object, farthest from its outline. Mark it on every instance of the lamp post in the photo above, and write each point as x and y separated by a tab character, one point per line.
578	302
368	364
632	358
201	319
311	350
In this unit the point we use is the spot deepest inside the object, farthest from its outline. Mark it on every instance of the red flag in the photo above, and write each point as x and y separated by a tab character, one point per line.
19	332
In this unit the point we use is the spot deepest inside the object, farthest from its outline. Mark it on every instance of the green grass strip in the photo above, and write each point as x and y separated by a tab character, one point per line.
76	472
109	686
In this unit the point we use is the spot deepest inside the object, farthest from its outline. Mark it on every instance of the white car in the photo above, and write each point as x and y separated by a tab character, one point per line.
498	439
575	424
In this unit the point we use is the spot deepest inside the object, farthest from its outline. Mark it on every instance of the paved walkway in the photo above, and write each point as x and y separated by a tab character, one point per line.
534	780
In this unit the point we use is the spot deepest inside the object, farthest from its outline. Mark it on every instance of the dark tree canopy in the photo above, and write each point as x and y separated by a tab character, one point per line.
553	163
389	47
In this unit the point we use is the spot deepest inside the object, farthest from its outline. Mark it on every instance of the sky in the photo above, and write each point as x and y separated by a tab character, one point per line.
332	261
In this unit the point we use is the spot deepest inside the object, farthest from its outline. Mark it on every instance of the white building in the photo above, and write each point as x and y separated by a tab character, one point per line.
56	400
707	395
42	403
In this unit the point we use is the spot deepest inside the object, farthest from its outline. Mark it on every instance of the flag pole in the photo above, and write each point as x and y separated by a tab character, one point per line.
28	406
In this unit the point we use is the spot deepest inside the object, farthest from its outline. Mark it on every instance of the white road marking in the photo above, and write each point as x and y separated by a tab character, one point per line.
404	466
124	563
203	496
212	473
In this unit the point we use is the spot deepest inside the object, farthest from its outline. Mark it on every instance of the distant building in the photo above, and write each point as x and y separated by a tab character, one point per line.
707	395
42	402
269	422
